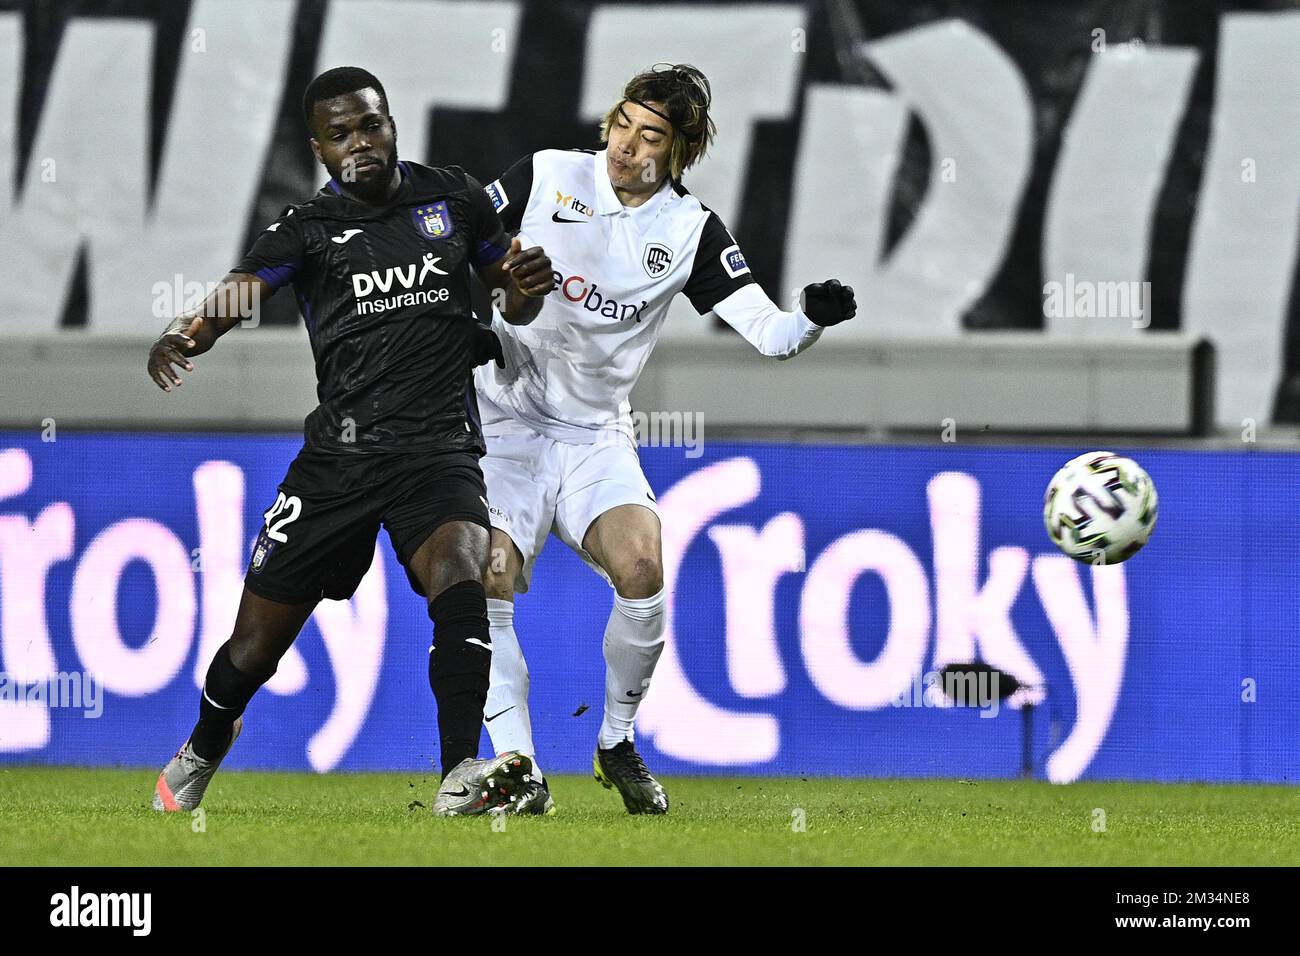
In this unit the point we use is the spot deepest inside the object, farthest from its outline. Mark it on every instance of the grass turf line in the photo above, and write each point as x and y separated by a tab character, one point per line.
71	816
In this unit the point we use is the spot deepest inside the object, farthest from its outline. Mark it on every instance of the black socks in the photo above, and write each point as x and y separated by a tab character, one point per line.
226	692
459	666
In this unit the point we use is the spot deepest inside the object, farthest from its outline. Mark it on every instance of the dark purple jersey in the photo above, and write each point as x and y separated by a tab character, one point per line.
385	293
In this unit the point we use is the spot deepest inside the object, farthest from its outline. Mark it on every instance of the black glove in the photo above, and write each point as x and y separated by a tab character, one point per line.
828	303
486	347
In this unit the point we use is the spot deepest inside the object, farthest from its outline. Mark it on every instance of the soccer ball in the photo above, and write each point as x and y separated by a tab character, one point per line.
1100	508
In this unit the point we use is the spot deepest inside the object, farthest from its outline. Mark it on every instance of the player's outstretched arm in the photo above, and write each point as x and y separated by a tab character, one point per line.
780	334
519	282
720	282
193	333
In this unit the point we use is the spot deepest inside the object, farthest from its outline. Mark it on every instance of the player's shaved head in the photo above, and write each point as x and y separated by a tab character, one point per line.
338	82
680	95
352	133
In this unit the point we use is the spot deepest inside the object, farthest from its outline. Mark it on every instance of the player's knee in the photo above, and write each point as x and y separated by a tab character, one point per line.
640	577
259	659
447	577
455	557
499	585
503	567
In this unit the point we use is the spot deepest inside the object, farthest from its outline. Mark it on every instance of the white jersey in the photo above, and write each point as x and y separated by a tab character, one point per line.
569	373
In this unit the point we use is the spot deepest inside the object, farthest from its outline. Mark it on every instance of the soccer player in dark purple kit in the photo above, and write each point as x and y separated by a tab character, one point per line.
380	263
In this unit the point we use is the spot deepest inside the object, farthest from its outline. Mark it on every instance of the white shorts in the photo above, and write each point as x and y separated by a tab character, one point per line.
537	485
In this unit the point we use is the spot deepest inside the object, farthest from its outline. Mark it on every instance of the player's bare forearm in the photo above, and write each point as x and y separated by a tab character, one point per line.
521	308
192	333
520	282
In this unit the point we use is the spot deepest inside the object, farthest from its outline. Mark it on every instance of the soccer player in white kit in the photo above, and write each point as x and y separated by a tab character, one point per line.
624	237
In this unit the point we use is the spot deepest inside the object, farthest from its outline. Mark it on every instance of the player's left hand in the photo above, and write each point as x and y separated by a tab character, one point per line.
170	350
529	268
829	303
486	347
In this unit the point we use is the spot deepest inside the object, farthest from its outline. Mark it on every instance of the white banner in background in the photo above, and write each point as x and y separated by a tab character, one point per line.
84	185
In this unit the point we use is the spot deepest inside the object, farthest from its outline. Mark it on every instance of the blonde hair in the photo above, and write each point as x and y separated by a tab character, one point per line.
684	94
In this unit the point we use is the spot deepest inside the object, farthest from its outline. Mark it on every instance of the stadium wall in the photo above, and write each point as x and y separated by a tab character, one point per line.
814	589
264	379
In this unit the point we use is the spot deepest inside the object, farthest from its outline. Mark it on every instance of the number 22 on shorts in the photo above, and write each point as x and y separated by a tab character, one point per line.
292	509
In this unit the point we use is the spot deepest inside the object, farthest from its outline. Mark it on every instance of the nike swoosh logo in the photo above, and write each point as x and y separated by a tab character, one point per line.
347	234
635	693
463	793
555	217
475	640
488	720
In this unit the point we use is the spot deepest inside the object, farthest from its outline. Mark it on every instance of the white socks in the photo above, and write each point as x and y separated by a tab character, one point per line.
506	712
634	638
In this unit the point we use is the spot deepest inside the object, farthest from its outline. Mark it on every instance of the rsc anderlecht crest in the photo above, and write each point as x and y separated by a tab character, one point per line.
434	220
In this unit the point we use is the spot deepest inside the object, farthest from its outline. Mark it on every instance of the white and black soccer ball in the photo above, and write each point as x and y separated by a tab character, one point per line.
1100	508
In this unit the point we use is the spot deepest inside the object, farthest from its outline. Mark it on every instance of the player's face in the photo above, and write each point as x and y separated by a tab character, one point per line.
639	144
356	142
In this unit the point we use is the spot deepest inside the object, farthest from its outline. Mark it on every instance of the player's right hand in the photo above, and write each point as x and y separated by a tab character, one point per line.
169	350
829	303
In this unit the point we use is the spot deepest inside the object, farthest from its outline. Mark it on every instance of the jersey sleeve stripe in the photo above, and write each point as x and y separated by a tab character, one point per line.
277	276
486	253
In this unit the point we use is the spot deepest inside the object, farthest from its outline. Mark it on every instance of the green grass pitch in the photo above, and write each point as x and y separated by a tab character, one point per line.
68	816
